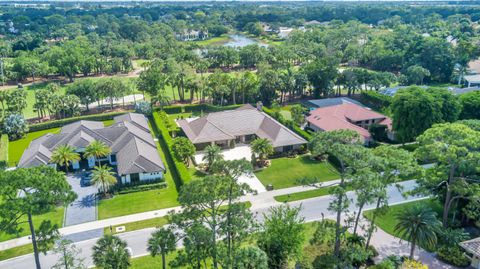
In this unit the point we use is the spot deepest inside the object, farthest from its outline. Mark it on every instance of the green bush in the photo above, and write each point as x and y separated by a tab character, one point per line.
453	255
375	100
124	189
3	151
288	123
59	123
179	171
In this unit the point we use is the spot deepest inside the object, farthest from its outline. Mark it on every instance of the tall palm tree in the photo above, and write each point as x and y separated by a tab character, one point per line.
417	224
163	241
63	155
111	252
262	148
103	178
97	149
213	154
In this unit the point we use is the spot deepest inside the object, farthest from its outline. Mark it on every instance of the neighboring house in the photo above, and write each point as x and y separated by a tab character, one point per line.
347	116
472	80
472	247
241	125
458	91
192	35
319	103
134	152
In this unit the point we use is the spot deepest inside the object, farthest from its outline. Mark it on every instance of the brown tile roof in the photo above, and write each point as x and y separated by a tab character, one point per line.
341	117
245	120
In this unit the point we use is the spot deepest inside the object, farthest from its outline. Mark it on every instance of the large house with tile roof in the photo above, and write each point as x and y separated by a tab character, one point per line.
240	125
133	150
348	116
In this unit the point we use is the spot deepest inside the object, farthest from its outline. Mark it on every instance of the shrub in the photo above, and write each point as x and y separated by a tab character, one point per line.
15	126
124	189
290	124
179	171
453	255
62	122
375	100
144	108
3	151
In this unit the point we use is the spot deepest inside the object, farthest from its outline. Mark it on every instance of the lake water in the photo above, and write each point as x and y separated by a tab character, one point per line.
239	41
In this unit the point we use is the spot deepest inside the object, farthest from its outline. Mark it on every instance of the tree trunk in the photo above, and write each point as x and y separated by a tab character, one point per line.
412	250
34	242
372	222
448	197
339	215
357	219
164	266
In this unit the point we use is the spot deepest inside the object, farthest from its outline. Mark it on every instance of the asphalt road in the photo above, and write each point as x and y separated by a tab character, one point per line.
312	210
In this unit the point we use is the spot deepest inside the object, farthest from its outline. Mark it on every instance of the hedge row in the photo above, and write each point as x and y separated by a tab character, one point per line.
3	150
195	108
290	124
144	187
59	123
375	100
179	171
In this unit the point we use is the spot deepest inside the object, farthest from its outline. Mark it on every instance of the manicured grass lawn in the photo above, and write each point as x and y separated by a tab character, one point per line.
56	217
388	221
286	172
125	204
303	195
138	225
15	252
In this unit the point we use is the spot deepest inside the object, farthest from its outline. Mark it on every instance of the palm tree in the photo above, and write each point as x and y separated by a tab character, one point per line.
97	149
417	224
103	178
262	148
111	252
63	155
163	241
213	154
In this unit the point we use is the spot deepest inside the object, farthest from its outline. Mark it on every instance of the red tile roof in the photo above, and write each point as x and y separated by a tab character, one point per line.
339	117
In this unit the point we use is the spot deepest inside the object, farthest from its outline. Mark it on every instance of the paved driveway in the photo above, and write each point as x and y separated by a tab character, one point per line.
240	151
84	208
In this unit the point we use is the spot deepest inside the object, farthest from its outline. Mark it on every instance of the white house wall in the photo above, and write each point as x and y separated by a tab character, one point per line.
144	177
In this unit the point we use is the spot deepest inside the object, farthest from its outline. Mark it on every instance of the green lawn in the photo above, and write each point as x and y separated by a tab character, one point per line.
303	195
15	252
56	217
125	204
138	225
286	172
214	41
388	221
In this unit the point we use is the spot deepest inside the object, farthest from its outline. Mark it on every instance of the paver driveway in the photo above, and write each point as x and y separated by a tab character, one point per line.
83	209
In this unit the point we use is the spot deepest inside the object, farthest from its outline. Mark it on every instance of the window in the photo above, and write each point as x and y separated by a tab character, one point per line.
113	158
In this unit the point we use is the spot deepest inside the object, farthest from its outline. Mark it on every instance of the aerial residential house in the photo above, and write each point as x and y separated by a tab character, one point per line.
472	247
192	35
241	125
350	116
319	103
133	150
472	80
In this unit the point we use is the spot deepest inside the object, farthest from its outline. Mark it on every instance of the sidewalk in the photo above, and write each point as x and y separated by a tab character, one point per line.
261	200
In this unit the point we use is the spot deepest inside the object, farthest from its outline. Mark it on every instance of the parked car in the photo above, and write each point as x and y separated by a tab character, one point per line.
86	179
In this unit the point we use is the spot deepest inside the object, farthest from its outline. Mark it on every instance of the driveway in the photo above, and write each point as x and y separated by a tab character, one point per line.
240	151
84	208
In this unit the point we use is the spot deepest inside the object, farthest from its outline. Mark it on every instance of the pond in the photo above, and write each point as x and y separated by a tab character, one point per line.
239	41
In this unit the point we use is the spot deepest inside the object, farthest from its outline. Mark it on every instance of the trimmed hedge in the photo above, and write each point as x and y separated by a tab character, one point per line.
60	123
179	171
4	150
140	187
290	124
195	108
375	100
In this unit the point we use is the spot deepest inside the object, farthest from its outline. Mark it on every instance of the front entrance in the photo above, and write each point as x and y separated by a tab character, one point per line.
134	178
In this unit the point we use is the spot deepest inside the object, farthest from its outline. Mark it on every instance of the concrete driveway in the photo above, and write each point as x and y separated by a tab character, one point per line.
84	208
240	151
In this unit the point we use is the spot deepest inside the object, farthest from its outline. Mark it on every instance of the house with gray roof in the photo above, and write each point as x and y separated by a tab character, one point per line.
240	125
133	150
321	103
